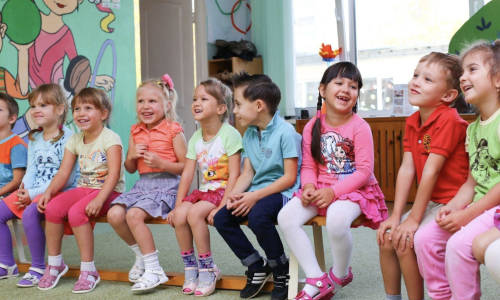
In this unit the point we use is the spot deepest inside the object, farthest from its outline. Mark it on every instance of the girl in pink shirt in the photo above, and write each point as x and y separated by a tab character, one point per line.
337	182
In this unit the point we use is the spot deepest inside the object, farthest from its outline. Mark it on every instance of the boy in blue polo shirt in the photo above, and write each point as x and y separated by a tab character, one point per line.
272	156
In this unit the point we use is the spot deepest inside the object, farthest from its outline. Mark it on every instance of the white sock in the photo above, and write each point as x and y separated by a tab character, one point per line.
55	261
290	219
151	262
393	297
138	256
88	266
492	260
339	216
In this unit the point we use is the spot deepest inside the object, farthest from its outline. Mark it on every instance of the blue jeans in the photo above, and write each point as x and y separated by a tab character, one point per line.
261	220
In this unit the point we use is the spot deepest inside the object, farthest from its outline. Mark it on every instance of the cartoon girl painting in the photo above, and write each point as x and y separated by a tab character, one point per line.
344	157
52	45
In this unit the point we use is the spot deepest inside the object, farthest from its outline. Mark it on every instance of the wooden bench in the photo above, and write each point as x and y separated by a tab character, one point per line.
230	282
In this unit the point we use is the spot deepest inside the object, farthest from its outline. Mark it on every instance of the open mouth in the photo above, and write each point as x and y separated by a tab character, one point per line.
197	111
414	91
147	114
343	98
83	121
60	5
466	88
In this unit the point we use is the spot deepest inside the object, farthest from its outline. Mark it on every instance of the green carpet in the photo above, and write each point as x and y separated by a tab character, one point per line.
112	252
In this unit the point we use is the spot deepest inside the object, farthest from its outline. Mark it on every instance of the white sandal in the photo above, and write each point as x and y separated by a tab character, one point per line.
30	280
146	284
135	273
10	271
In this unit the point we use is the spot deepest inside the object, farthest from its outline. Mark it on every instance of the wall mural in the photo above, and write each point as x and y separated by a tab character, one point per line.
73	43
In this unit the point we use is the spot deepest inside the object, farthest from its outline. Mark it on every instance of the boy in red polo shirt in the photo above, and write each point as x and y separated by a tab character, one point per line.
434	152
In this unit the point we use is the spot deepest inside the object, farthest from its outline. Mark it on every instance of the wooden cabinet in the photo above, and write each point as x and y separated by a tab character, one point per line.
234	65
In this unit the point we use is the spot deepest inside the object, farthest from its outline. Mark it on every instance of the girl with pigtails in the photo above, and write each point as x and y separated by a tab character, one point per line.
337	182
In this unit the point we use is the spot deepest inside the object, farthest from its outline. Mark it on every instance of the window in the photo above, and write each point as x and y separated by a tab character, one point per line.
314	24
392	36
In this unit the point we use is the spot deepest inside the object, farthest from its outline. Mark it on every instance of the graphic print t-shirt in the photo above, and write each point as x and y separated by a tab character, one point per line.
338	153
213	156
92	159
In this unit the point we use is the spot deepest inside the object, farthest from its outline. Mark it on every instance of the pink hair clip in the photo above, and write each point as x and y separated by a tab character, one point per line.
40	129
168	81
318	114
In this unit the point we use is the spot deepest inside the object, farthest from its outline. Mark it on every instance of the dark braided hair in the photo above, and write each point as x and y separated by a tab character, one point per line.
342	69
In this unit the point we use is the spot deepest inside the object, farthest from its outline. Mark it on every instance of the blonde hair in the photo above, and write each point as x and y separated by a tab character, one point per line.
51	94
96	97
221	92
491	52
168	95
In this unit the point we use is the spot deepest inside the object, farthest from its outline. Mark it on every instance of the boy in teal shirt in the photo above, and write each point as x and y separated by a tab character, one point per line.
272	156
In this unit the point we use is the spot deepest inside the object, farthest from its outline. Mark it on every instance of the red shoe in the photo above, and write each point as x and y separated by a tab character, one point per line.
342	282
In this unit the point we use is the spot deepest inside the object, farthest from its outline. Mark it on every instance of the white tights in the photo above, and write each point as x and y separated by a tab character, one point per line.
339	217
492	260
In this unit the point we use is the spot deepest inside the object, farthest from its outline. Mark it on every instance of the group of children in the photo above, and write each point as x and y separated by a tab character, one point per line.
67	179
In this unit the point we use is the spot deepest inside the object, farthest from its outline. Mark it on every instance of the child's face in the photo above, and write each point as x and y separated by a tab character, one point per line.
44	114
340	94
428	85
475	81
62	7
205	106
88	118
5	119
150	107
339	152
246	112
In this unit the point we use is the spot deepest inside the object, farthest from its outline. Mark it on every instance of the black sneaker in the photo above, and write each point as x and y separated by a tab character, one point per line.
256	280
281	278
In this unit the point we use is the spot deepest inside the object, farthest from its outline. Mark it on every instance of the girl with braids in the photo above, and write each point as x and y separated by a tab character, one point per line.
45	154
337	138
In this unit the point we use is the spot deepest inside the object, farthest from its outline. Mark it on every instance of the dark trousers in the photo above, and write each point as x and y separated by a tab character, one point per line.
261	221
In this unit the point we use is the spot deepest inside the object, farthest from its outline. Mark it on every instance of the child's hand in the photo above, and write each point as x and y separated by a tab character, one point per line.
307	194
322	197
211	215
231	202
391	223
244	203
93	208
455	221
23	197
152	160
170	218
442	213
405	230
42	202
138	151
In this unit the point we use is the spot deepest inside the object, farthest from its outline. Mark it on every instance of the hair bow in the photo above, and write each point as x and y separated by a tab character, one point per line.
168	81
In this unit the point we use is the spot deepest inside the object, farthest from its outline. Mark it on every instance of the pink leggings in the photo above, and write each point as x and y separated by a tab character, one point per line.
446	262
71	205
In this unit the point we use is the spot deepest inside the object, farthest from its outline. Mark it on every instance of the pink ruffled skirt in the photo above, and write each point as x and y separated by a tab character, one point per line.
212	196
369	197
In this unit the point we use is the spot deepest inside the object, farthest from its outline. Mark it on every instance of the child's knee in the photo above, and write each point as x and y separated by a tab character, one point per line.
77	216
386	247
116	215
479	246
221	218
135	216
408	252
195	215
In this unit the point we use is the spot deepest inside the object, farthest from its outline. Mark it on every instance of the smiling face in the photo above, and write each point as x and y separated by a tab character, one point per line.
246	112
45	114
205	106
428	85
475	82
340	94
62	7
150	106
88	118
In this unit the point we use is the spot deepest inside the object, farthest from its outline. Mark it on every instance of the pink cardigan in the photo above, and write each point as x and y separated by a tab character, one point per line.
356	173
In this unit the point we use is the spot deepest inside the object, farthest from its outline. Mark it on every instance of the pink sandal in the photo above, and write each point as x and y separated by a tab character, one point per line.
325	286
48	281
190	284
206	288
83	285
342	282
